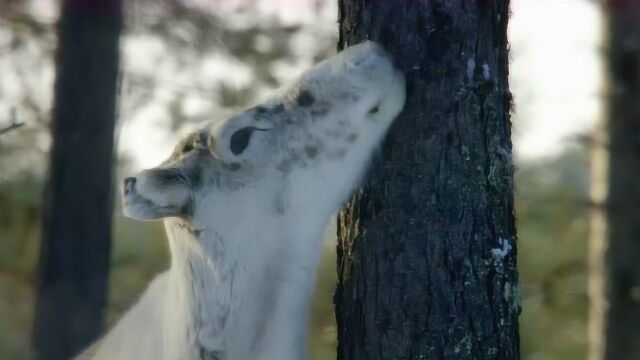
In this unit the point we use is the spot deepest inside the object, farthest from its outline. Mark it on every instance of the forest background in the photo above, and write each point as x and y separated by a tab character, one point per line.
184	63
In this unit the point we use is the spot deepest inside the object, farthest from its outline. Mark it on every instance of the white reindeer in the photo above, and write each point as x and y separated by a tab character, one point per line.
245	203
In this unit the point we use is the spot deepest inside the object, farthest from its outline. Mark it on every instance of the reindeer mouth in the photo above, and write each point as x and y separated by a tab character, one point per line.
139	207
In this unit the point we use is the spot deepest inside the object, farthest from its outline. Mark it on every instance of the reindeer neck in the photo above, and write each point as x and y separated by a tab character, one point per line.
232	293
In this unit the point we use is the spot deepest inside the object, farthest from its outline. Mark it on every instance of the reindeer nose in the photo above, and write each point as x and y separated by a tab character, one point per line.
129	184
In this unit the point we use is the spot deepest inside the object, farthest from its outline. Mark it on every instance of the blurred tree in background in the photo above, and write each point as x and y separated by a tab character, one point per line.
552	212
76	224
615	231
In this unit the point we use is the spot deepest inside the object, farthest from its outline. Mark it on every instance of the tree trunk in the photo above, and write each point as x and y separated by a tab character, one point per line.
427	249
76	230
615	237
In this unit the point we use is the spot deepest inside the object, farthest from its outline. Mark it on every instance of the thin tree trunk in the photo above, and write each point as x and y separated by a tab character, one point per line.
615	237
76	230
427	249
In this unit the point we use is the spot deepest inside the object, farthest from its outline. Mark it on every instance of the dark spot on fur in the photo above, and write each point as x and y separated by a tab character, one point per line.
321	108
194	176
319	112
210	355
352	96
352	138
287	164
263	110
233	166
187	209
305	98
169	177
277	109
202	139
260	110
187	148
311	151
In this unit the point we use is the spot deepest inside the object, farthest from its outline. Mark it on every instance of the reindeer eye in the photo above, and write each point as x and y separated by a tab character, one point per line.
240	140
374	109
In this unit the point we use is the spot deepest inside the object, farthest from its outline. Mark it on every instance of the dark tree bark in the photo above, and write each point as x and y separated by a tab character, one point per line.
76	230
427	249
615	238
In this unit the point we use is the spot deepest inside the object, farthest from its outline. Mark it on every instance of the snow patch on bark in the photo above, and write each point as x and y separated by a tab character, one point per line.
471	68
486	71
500	253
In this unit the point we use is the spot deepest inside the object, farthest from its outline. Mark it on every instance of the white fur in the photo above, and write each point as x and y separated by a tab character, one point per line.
245	242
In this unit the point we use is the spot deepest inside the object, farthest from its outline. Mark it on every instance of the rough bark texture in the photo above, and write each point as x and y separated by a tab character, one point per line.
427	248
615	312
76	232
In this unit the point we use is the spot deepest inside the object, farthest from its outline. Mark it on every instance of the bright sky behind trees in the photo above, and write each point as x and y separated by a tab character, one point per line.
555	72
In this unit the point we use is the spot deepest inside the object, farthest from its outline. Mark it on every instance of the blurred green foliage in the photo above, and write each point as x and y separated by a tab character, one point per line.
19	239
552	214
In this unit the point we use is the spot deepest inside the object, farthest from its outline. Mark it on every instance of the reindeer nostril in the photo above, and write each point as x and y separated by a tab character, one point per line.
129	183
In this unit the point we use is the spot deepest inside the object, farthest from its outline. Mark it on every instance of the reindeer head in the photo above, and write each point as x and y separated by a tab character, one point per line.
315	139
